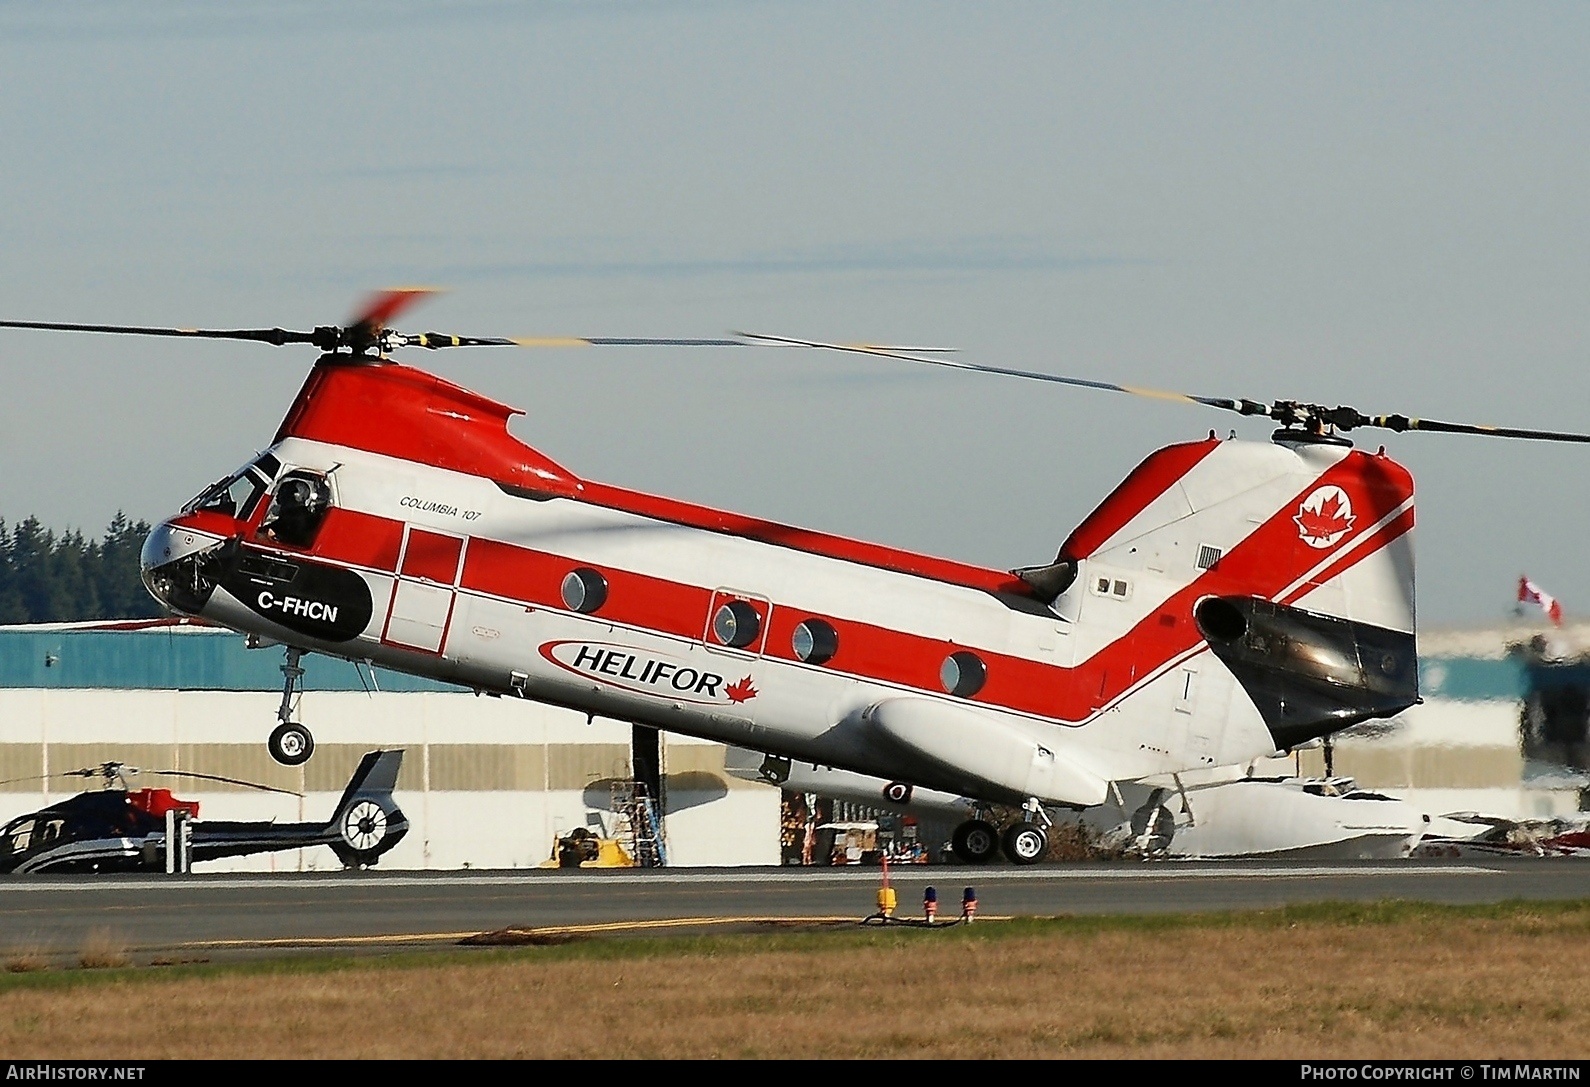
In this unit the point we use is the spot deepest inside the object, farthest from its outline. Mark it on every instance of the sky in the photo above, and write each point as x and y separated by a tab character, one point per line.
1386	206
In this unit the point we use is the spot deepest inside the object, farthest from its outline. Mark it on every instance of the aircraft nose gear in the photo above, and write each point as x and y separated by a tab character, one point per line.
1025	843
290	742
975	841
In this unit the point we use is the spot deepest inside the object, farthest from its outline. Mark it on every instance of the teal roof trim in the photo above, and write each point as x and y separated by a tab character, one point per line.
1466	679
166	660
189	660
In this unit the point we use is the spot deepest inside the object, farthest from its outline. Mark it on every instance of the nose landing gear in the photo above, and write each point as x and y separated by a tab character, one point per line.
290	742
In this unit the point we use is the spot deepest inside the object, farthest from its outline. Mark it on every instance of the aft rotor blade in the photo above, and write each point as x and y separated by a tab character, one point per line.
1402	422
229	781
1289	413
276	336
982	368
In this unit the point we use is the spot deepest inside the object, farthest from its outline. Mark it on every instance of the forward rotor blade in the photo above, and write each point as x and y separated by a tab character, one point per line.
379	309
276	336
86	772
229	781
436	340
35	777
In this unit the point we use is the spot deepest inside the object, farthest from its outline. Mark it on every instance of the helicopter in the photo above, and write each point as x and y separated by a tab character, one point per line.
1229	600
121	829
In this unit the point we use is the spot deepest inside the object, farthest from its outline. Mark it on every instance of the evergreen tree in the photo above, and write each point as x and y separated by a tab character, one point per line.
120	586
31	551
74	589
49	579
11	608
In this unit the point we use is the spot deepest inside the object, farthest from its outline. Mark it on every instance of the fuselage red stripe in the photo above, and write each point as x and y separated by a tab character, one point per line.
800	539
1271	559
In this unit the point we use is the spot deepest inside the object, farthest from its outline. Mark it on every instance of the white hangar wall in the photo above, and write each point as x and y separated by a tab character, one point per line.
486	782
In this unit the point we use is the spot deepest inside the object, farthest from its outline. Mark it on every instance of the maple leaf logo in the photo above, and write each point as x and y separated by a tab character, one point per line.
741	691
1325	517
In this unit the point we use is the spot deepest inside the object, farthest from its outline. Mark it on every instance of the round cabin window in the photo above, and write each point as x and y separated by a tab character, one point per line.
963	673
584	590
736	624
815	641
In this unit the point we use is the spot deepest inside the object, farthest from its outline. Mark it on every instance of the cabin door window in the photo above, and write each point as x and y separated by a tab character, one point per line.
737	622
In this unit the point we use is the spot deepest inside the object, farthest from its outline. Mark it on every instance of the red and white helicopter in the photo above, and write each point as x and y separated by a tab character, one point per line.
1228	601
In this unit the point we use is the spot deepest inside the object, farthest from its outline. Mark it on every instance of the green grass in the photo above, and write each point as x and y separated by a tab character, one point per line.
1522	917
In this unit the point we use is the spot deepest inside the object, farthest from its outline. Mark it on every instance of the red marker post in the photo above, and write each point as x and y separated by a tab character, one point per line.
930	904
969	904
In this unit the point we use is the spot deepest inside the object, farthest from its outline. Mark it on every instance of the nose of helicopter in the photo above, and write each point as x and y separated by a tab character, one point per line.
168	551
168	542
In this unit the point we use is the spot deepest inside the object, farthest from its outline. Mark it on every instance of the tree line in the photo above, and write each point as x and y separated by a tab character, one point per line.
45	578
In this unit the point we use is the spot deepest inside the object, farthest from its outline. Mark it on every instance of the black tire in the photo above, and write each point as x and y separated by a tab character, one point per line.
1025	843
290	744
975	841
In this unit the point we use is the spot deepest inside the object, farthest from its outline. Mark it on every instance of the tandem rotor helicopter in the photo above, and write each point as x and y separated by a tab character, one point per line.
1228	601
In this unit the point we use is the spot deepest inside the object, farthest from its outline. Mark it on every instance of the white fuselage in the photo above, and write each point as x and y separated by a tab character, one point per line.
467	592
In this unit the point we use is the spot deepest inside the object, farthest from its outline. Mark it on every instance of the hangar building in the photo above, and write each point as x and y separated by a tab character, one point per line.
486	782
1502	728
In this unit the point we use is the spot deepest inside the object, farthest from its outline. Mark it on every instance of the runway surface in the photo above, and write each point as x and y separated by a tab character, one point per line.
224	914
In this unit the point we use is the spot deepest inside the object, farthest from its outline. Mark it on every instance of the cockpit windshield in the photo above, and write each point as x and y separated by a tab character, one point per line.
238	494
18	835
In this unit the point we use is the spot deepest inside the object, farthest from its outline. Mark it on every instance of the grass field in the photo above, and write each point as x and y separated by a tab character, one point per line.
1394	980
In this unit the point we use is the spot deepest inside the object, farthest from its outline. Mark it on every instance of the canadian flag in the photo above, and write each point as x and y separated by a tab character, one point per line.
1530	593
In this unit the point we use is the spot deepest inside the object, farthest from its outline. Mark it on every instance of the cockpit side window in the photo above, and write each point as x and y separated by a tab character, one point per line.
238	495
18	836
298	508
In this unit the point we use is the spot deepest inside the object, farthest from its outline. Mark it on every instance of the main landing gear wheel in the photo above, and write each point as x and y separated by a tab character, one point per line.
1025	843
290	744
975	841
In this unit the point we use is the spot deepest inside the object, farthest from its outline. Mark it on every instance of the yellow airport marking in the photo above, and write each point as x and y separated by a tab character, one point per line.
550	930
321	941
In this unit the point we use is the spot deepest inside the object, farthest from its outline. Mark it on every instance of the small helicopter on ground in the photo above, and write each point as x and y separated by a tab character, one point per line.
120	829
1229	600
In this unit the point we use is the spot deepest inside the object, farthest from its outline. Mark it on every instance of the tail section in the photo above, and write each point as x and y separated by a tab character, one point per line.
368	822
1291	561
